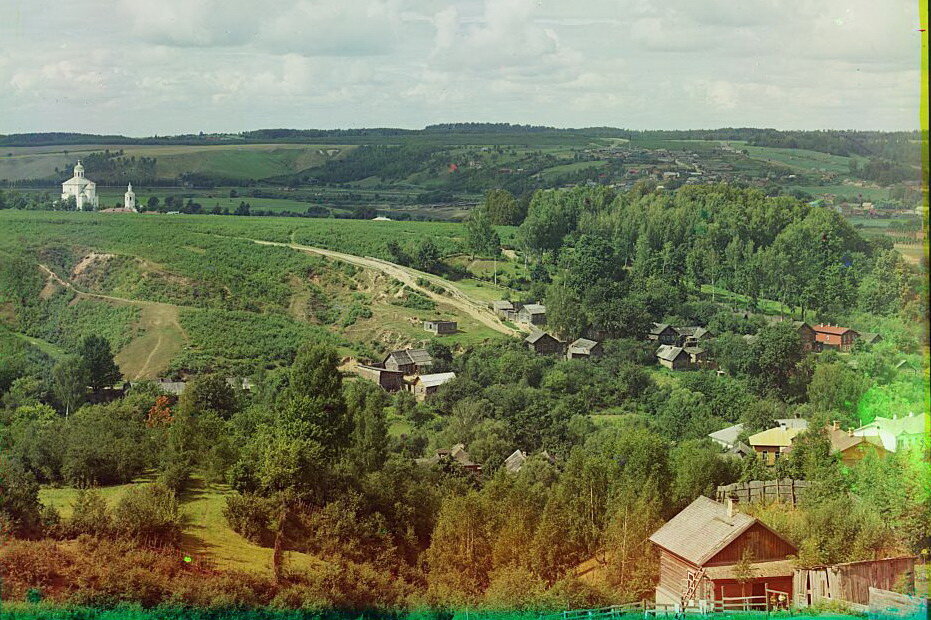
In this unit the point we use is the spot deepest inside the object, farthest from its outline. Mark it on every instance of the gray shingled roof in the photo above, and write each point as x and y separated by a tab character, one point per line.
535	308
669	353
420	357
436	379
582	345
701	530
502	304
515	462
535	336
728	435
658	328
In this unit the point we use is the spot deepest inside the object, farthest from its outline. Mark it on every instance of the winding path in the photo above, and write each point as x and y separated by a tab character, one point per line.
409	276
157	345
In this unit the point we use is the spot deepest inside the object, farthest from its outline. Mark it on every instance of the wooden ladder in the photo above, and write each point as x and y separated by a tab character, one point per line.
691	586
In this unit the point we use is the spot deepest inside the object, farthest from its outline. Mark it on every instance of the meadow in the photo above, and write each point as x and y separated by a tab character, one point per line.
196	292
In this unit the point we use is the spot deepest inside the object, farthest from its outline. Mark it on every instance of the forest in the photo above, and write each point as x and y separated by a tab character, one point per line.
327	476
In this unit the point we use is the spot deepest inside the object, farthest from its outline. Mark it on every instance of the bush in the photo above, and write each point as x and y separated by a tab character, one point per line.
250	516
19	500
149	514
90	515
175	476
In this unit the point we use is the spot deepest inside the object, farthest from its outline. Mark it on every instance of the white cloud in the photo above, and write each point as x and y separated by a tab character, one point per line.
139	66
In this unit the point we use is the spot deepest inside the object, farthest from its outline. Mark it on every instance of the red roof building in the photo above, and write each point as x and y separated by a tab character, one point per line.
834	337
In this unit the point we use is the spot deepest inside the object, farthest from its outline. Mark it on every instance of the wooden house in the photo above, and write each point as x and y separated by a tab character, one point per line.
727	437
807	334
662	333
871	337
584	348
515	462
441	327
691	336
852	448
391	380
834	337
504	309
899	432
455	457
673	358
697	355
425	385
532	314
408	361
710	551
772	443
542	343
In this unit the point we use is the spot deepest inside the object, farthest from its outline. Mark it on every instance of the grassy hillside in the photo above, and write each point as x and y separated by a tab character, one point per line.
198	293
240	161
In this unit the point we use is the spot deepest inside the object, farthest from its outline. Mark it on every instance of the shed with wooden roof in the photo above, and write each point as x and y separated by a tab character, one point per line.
702	556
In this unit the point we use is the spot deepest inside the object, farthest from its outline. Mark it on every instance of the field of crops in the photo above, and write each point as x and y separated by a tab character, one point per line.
801	159
251	161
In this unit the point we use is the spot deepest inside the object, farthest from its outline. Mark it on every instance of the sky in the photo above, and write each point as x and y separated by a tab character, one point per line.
144	67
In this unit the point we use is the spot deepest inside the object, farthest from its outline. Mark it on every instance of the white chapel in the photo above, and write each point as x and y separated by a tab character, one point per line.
81	189
129	198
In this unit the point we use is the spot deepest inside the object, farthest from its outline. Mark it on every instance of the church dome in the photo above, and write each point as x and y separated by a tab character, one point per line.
79	169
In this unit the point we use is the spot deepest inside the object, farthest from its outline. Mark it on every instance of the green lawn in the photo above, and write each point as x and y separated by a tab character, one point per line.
206	535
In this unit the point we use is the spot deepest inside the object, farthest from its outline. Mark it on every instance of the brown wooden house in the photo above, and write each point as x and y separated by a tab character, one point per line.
408	361
543	344
701	551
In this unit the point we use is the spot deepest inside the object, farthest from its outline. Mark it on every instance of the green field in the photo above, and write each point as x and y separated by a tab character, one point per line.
240	161
800	159
848	191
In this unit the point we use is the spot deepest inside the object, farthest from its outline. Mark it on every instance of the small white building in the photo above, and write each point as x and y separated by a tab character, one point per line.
81	189
129	198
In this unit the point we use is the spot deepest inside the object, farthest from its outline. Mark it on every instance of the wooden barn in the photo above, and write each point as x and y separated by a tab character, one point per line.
543	343
391	380
408	361
711	553
441	327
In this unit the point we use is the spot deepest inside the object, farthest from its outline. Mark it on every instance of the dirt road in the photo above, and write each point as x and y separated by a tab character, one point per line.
148	355
456	298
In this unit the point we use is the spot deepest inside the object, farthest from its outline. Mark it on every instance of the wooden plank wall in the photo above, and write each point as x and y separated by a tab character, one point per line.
786	490
851	582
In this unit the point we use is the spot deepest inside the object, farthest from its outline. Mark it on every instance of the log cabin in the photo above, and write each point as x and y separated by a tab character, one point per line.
710	551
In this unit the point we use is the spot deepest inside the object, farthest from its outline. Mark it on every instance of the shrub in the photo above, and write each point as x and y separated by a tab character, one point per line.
175	476
90	515
149	514
19	500
249	516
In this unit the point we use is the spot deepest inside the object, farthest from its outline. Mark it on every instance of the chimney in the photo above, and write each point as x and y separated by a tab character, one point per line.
731	506
850	432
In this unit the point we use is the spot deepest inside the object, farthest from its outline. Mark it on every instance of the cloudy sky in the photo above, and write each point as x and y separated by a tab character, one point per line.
141	67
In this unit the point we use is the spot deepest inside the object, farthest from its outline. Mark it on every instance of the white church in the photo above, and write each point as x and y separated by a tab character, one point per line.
81	189
84	192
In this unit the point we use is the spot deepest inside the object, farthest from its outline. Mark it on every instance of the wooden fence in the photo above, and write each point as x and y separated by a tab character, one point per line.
851	582
786	490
